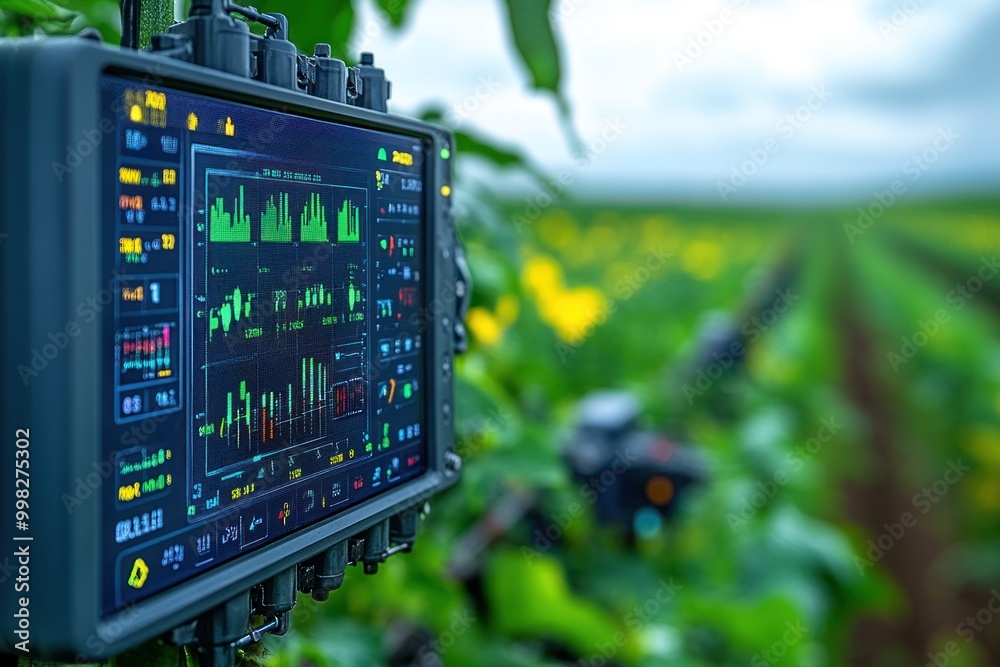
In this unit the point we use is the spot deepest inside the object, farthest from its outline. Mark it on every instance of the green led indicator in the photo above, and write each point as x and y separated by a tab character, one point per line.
382	155
445	153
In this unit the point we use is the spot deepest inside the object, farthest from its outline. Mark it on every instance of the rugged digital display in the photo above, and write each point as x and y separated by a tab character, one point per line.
267	371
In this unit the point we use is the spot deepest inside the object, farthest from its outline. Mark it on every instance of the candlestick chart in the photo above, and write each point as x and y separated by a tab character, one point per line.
282	274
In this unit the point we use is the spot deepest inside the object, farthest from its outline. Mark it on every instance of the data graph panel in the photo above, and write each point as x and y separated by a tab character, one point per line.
247	207
147	353
280	271
294	402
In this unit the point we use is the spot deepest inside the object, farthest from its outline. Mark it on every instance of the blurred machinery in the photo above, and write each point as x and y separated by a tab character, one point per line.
637	479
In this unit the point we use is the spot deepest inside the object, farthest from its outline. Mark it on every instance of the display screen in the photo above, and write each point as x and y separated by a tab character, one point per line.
263	370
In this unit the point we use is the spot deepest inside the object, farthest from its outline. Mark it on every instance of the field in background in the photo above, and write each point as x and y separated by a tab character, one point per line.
851	513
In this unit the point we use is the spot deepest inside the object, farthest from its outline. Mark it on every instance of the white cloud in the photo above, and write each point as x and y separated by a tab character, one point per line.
898	70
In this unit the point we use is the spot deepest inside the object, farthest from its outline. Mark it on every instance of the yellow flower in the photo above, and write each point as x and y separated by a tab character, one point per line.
606	237
542	275
508	309
660	231
771	367
484	326
558	230
573	313
702	259
986	492
616	273
984	443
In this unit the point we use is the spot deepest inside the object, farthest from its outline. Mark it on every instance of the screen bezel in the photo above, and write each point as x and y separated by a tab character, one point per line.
51	119
338	116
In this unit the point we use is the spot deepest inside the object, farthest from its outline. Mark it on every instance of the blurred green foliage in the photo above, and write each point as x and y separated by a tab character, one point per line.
561	309
748	572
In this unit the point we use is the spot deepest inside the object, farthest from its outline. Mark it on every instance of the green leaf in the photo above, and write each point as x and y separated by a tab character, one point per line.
395	10
467	143
535	40
38	9
155	16
530	597
310	23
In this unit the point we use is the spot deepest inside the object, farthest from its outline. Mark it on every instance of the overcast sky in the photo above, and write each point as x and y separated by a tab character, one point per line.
701	87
